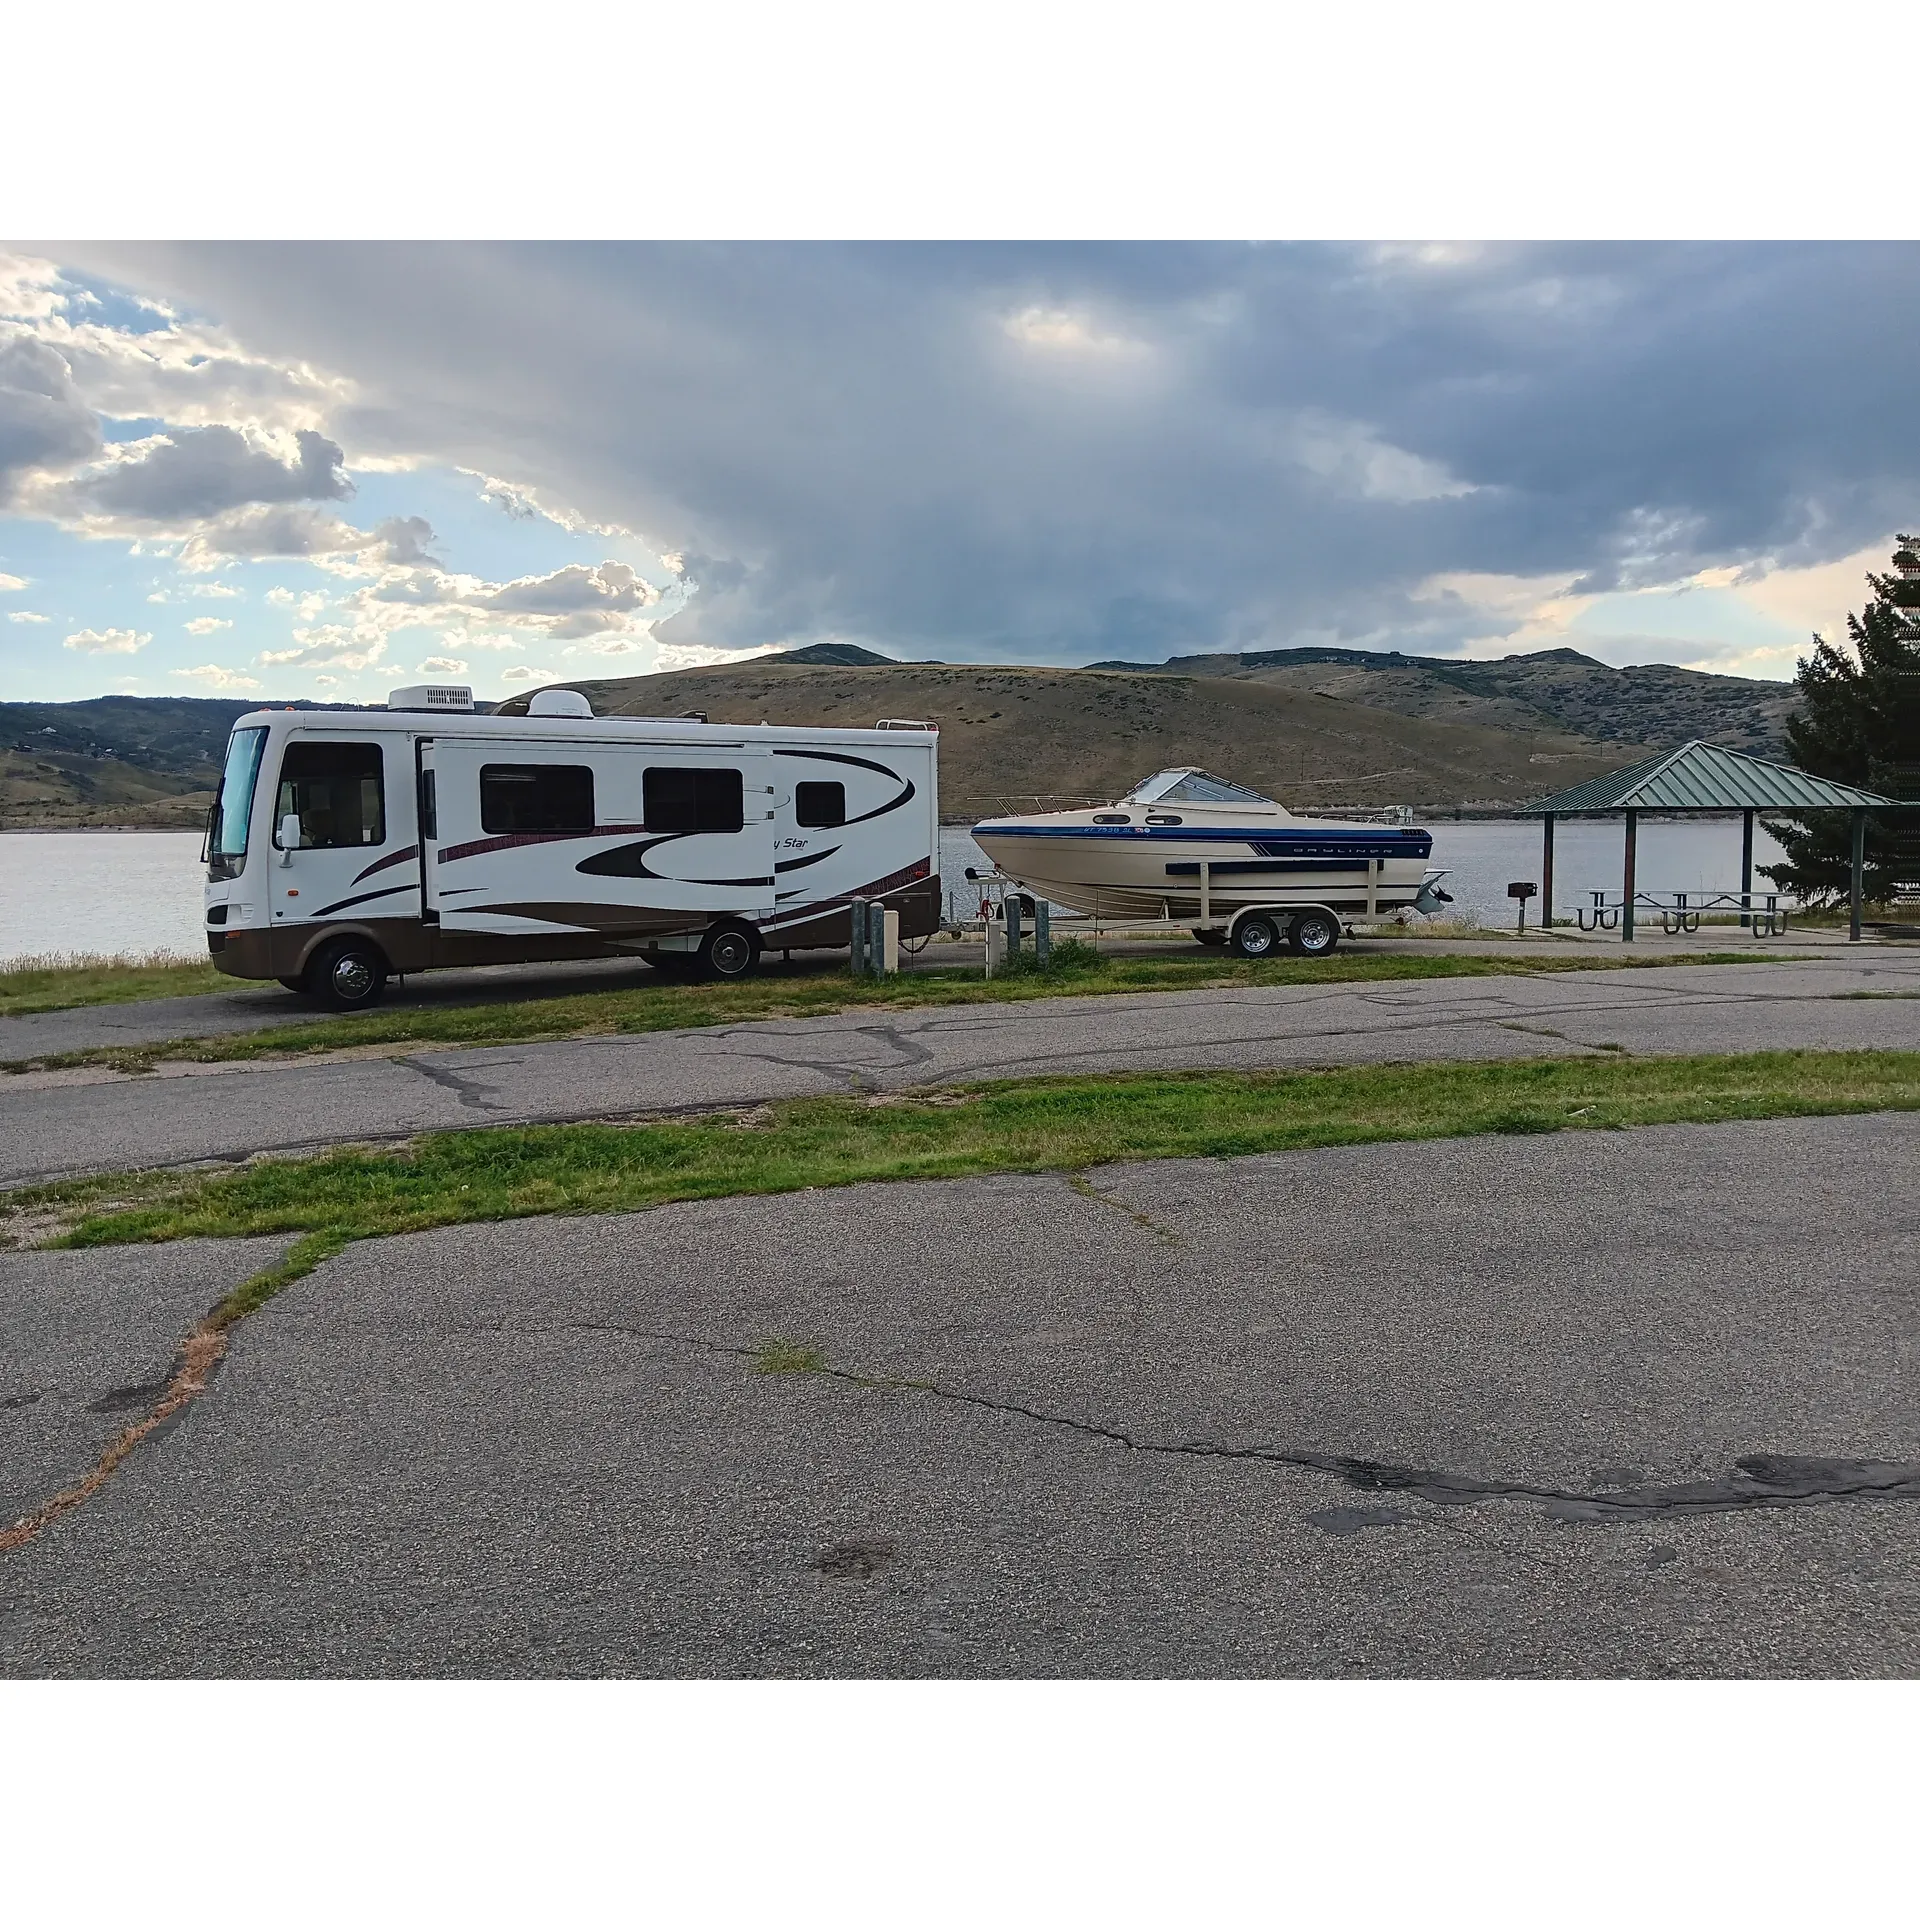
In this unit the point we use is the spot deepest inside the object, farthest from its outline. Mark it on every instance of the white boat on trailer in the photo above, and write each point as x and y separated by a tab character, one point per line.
1190	847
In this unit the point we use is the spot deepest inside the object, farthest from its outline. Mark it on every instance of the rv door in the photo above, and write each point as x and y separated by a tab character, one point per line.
615	838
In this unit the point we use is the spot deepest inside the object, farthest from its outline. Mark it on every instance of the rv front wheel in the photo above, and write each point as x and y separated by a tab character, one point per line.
346	974
729	952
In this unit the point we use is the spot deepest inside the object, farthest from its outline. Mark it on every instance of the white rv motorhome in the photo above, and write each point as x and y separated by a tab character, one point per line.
344	847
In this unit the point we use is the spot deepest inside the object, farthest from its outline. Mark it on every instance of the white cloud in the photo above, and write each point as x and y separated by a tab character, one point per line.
439	663
279	596
328	647
528	673
112	640
34	619
11	583
225	679
325	680
1061	329
486	642
30	289
668	659
206	623
1353	457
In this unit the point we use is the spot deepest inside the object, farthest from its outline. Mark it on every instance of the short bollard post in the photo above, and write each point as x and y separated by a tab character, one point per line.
857	937
890	940
1042	933
996	946
876	938
1012	909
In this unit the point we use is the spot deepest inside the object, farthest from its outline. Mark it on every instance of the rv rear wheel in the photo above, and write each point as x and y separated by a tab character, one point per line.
346	974
1314	932
1254	936
729	952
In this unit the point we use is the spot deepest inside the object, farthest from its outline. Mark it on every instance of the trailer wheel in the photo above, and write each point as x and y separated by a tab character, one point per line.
346	974
1314	933
729	951
1254	936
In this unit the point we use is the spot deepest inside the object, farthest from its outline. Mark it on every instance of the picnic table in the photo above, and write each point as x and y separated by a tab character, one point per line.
1680	912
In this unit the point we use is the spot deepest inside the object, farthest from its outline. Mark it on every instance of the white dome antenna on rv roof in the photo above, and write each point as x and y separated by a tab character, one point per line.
559	703
431	699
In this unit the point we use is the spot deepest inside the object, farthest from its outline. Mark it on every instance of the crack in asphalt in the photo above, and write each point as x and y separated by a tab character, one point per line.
1758	1480
1085	1187
460	1085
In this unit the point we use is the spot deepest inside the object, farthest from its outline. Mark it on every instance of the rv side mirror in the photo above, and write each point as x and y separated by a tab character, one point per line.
289	837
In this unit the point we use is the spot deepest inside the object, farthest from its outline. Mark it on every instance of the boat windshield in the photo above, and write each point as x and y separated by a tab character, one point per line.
1195	788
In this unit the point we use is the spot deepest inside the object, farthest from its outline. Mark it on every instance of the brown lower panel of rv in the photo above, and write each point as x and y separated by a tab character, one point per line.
411	946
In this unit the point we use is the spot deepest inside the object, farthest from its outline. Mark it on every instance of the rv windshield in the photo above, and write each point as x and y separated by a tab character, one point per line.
233	804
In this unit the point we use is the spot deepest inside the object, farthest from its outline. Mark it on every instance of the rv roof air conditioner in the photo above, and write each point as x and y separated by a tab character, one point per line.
431	699
559	703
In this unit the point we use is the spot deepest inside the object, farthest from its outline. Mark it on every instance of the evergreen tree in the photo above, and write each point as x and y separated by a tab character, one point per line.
1859	723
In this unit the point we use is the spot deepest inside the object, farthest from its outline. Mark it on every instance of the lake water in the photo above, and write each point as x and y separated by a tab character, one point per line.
140	892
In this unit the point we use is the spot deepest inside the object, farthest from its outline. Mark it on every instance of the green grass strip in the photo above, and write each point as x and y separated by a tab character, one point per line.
1026	1126
52	983
653	1006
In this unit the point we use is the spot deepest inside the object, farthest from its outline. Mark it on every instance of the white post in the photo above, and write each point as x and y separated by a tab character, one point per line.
1373	888
1206	893
996	946
890	942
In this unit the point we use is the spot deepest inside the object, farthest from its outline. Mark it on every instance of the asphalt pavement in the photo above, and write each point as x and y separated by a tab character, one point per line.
1104	1427
53	1124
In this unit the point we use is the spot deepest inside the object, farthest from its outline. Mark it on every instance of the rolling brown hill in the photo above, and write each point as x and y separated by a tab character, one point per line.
1011	736
1655	706
72	790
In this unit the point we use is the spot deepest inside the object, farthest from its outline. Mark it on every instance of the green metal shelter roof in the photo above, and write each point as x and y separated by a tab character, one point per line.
1699	778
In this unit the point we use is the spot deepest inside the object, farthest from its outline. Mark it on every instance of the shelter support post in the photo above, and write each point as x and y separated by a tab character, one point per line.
1746	868
1856	891
1628	882
1546	872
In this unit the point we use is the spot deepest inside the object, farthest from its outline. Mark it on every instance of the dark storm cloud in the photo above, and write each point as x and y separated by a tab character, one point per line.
44	424
193	475
1069	451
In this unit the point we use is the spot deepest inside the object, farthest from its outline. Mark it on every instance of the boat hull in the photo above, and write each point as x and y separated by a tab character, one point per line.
1138	872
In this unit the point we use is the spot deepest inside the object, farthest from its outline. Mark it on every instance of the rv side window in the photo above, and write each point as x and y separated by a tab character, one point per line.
536	799
820	803
693	799
338	790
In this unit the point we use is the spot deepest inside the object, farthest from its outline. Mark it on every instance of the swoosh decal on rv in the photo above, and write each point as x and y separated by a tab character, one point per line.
468	848
356	899
392	860
900	799
811	860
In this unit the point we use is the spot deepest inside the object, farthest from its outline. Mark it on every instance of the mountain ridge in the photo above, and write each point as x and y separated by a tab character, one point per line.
1557	688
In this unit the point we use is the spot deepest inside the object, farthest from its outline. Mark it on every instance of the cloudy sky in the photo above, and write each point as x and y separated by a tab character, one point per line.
316	470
